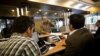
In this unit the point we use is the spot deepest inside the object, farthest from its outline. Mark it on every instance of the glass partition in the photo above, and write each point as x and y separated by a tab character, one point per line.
91	19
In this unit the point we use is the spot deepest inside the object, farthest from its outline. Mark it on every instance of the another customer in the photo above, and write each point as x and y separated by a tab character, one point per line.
98	30
97	39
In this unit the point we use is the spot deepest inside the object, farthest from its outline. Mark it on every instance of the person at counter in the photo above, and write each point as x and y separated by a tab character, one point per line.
46	25
79	39
98	30
97	39
20	43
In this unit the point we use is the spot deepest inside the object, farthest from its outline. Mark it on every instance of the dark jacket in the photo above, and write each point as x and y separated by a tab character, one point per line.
78	44
97	45
97	32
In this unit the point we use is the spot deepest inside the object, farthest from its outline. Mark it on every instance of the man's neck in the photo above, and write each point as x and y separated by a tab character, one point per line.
25	34
72	31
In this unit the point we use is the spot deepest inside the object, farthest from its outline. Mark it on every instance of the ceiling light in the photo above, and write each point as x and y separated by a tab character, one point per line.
40	10
85	8
18	13
45	13
39	1
55	13
52	1
22	11
31	0
12	10
68	9
78	6
37	12
68	3
34	0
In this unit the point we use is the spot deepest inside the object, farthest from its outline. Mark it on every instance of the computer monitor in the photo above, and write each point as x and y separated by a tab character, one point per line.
42	46
35	36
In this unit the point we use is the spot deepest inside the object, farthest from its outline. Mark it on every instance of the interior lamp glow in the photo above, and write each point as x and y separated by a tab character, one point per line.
77	6
68	3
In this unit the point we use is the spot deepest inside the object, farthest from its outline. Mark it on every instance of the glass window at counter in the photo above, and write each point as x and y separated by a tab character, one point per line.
9	22
91	19
37	13
5	23
56	17
2	24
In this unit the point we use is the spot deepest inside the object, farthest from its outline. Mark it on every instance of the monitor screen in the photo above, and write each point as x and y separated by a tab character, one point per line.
35	36
37	17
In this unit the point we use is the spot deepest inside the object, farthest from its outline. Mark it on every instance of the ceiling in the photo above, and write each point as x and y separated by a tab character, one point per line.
51	6
76	4
92	2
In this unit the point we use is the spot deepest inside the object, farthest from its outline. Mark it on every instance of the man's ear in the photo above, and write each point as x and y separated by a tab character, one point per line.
28	30
70	27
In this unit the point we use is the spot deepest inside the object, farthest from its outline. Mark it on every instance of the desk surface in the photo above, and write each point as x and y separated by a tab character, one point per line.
50	34
42	36
57	48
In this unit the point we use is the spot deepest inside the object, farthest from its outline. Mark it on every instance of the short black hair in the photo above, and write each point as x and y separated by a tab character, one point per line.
77	21
21	24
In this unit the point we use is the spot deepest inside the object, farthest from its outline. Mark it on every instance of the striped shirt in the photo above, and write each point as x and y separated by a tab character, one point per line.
18	45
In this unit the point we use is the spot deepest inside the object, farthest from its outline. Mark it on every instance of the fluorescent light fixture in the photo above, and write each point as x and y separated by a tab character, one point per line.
45	13
18	14
40	10
37	12
40	1
55	13
22	11
85	8
68	3
33	0
52	1
68	9
77	6
12	10
26	10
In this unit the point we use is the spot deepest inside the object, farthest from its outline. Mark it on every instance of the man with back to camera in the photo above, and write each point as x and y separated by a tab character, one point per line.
20	43
79	38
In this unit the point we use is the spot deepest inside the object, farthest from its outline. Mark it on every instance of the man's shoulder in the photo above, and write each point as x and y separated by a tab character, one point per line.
20	40
80	35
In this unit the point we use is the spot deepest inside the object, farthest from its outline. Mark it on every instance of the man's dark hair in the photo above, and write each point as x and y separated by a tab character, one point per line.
77	21
21	24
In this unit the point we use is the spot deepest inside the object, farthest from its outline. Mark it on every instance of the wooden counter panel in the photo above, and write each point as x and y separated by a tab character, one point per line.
59	47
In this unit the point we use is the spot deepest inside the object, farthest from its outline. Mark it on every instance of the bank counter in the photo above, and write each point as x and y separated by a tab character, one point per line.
59	46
